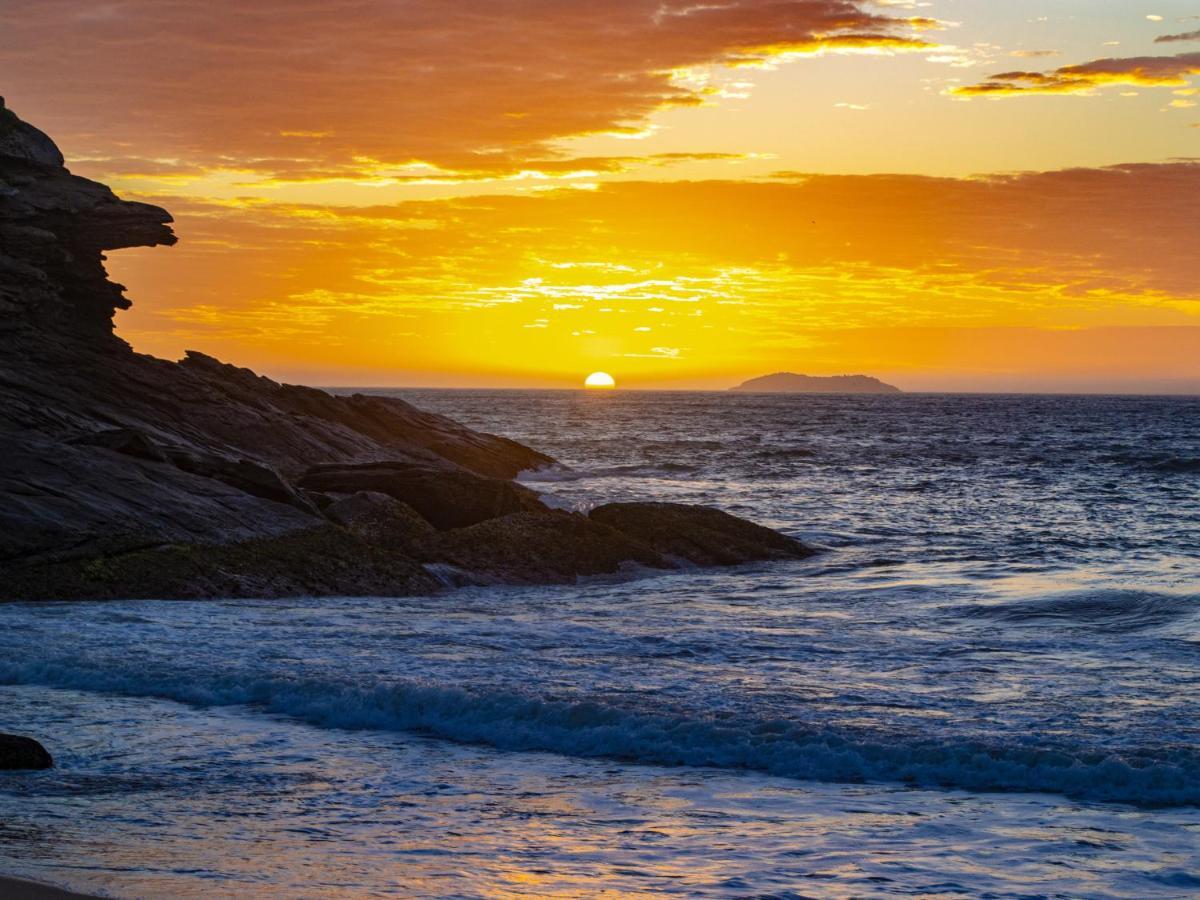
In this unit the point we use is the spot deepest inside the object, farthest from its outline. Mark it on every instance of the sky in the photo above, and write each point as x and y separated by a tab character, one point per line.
946	194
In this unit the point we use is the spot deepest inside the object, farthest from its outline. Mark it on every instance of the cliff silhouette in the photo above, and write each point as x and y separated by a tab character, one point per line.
130	476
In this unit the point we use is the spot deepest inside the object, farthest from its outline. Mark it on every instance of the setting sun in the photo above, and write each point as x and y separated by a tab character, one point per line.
599	381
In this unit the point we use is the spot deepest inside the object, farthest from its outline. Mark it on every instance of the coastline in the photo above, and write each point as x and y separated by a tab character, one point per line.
22	889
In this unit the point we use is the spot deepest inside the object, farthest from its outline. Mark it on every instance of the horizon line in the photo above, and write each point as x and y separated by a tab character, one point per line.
732	390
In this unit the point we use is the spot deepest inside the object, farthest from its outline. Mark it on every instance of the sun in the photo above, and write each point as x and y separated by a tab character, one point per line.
599	381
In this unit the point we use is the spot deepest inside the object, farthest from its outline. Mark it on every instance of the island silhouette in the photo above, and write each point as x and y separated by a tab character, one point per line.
791	383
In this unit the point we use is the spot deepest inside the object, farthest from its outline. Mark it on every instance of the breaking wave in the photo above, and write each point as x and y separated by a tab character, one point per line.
516	722
1115	610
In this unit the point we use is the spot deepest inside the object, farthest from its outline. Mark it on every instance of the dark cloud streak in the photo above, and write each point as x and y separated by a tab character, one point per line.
1172	38
1149	71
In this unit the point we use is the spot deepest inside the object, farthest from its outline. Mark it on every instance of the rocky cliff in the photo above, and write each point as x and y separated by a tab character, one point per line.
127	476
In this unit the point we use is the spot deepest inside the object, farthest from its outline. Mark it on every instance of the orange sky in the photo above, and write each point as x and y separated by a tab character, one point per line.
517	193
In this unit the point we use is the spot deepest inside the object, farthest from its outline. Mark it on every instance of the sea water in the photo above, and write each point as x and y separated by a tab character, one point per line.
986	684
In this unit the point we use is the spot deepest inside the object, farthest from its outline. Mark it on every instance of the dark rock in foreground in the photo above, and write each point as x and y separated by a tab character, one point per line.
447	497
23	753
319	560
552	547
698	534
790	383
380	519
129	476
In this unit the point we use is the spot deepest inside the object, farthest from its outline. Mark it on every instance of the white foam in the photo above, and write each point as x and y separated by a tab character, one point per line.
514	721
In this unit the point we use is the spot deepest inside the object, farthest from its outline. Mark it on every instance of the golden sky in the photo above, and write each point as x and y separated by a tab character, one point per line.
948	194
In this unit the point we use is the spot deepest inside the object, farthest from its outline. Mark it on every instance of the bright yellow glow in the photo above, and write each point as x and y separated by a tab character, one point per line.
677	285
686	202
599	381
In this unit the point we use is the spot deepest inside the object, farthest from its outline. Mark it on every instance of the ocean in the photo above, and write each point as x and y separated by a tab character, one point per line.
986	685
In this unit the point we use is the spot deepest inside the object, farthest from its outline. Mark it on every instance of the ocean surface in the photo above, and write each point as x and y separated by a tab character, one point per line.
987	685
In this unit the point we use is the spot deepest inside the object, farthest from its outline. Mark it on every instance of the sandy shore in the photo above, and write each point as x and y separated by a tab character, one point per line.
16	889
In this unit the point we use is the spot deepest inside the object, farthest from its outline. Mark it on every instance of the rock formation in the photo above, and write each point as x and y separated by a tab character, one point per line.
695	533
130	476
790	383
22	753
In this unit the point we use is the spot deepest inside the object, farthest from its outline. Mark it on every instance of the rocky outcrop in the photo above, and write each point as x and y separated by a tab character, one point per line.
698	534
380	520
54	228
21	141
18	752
791	383
315	559
446	496
129	476
552	547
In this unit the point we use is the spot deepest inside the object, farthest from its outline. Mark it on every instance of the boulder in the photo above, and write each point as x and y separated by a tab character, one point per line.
129	441
23	753
551	547
20	140
247	475
444	495
379	519
698	534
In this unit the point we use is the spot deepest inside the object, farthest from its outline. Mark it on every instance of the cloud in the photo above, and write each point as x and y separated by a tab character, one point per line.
136	167
359	85
266	172
1171	38
1146	71
1034	54
731	270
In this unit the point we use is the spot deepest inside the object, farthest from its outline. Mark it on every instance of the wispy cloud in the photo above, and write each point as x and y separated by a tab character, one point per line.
1145	71
725	265
1172	38
1034	54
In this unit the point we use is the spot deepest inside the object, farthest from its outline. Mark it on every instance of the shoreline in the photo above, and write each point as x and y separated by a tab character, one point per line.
23	889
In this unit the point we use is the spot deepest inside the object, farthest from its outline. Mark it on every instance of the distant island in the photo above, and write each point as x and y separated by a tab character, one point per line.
790	383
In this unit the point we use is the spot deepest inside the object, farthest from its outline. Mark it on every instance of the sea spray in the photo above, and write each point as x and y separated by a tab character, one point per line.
526	722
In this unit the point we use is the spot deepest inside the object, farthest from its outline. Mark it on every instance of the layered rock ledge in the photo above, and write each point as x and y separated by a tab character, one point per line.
129	476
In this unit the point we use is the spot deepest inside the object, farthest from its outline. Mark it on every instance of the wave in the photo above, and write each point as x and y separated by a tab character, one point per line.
682	444
1111	610
635	470
1165	463
509	720
556	472
784	453
1178	464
